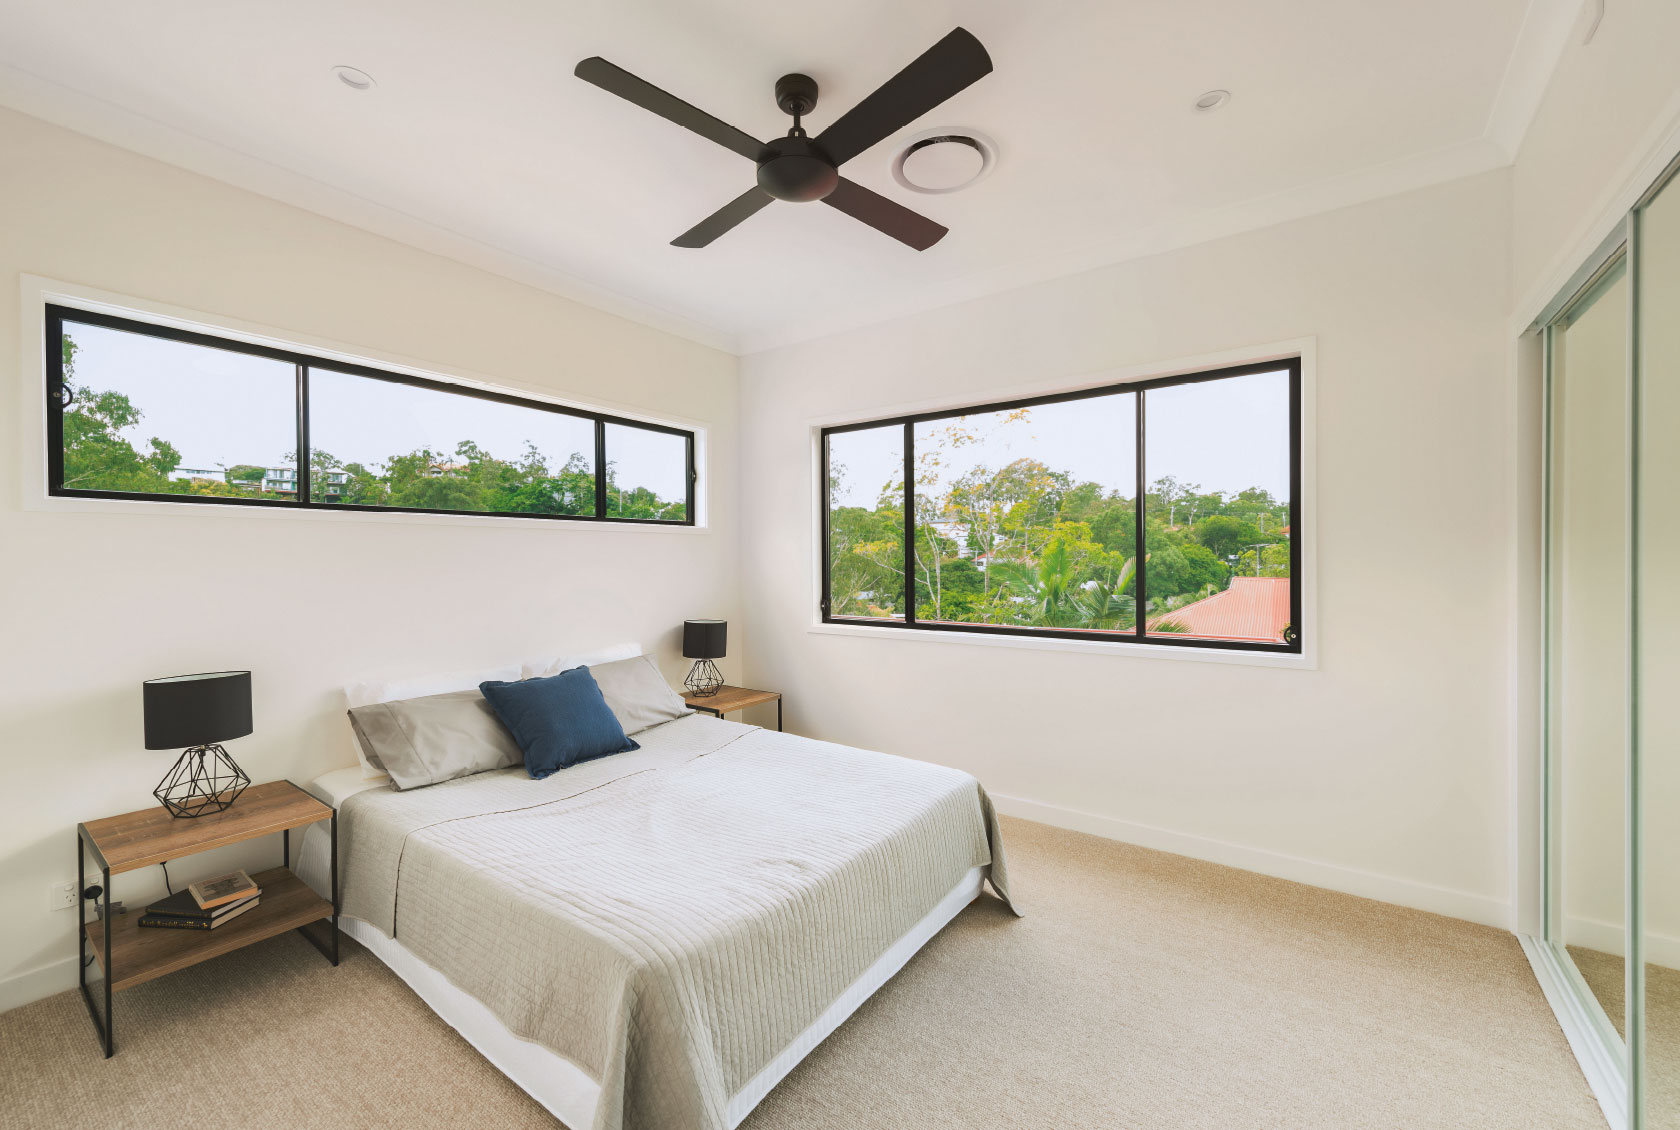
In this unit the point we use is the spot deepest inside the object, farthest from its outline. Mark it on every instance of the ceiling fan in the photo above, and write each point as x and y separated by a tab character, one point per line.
800	168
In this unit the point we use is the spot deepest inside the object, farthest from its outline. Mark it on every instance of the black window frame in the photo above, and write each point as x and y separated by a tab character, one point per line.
57	316
1138	636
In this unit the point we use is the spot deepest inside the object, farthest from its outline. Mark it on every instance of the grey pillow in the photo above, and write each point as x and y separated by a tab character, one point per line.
421	741
638	694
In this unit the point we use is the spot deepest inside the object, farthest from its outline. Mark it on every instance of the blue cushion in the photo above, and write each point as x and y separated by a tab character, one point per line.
558	721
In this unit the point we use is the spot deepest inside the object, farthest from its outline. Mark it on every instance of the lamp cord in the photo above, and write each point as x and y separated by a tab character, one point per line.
166	884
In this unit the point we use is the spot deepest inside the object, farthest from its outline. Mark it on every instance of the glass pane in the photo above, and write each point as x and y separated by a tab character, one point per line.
647	474
380	443
1217	509
1659	651
866	523
153	416
1587	689
1026	517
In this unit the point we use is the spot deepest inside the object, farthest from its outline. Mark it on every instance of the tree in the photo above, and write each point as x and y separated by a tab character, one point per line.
1225	535
1104	602
1171	492
1115	526
1179	569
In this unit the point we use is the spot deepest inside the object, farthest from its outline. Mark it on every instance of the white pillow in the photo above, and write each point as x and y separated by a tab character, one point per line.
542	668
366	694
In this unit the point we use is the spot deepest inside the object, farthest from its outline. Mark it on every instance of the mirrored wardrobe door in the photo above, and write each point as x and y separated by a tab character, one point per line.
1588	670
1657	266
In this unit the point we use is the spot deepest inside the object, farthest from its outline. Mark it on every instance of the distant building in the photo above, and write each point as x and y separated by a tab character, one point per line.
329	484
1253	609
198	474
279	480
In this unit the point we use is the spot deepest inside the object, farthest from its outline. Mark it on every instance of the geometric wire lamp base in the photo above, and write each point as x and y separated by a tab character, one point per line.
205	779
704	678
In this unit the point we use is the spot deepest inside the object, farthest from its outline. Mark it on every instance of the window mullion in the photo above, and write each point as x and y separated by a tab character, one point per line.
909	554
600	468
303	434
1140	553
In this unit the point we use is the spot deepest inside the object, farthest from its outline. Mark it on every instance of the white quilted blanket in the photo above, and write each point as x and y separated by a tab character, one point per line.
668	919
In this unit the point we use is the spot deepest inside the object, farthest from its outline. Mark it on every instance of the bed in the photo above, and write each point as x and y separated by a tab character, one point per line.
652	940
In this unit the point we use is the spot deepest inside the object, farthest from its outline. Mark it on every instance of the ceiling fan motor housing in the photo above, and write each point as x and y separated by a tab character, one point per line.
794	168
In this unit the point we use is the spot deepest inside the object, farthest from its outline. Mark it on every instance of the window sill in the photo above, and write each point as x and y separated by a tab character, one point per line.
1307	661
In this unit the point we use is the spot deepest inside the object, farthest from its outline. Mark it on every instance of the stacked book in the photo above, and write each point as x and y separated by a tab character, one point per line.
204	905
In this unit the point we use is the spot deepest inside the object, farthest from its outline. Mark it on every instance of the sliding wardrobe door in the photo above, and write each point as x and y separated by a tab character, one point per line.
1588	639
1656	1059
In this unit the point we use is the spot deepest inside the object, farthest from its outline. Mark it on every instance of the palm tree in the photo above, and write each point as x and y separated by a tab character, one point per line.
1105	603
1050	598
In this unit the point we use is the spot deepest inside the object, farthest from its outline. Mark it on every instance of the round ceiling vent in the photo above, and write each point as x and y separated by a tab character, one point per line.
354	78
944	160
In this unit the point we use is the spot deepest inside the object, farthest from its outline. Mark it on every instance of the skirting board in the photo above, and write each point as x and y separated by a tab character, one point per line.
1366	884
35	984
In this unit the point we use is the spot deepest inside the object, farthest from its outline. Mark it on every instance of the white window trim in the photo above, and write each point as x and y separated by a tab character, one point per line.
38	292
1305	348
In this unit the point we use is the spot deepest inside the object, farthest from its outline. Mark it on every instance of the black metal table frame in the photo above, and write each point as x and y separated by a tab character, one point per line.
716	713
105	1026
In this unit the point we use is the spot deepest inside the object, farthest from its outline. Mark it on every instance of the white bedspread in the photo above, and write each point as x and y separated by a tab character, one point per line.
668	919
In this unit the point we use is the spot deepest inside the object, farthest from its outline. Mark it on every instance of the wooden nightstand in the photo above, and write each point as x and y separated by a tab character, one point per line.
729	699
131	956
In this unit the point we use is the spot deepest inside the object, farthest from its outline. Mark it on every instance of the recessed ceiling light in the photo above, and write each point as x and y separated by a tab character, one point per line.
1212	100
943	160
354	79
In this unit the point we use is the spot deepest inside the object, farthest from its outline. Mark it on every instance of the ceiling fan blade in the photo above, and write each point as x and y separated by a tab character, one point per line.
616	80
743	206
883	215
941	71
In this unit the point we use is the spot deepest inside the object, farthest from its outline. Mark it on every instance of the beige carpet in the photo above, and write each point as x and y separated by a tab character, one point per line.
1606	975
1143	990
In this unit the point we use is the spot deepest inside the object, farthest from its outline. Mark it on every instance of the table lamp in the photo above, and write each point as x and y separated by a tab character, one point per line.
703	641
198	712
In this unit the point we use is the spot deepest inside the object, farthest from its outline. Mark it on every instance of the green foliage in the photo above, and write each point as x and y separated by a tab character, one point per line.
1225	534
1186	568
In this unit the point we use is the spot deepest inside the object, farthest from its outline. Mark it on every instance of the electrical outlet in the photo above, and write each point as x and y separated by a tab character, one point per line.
61	896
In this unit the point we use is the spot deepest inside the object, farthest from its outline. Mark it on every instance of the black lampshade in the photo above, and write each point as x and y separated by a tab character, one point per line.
197	710
705	639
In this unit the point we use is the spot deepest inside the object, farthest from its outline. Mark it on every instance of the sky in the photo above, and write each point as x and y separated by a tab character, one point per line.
1224	435
220	408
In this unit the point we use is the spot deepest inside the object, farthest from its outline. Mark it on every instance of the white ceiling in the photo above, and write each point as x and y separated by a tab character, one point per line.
478	142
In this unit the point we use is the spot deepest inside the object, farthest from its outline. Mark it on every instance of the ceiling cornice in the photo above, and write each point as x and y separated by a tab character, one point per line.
1540	44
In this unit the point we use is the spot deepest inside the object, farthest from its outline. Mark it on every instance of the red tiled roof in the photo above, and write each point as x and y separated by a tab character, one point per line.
1253	608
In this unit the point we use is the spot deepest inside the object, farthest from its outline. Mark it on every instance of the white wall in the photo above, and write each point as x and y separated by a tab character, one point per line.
1383	771
93	602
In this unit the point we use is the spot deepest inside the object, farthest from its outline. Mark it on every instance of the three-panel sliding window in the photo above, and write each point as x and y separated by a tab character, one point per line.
1157	512
144	411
